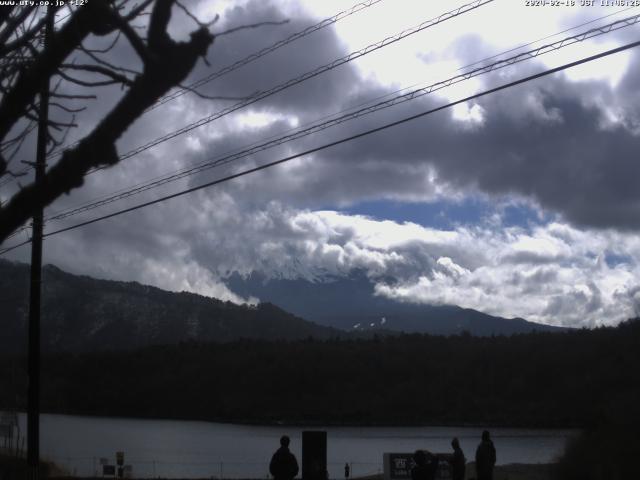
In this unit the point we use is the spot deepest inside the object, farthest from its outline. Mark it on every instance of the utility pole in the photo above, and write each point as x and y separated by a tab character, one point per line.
33	394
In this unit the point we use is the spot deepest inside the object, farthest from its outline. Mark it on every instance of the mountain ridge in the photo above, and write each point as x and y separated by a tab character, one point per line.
350	303
128	315
125	315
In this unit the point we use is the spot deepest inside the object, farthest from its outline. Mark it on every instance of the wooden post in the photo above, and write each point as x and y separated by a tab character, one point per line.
33	394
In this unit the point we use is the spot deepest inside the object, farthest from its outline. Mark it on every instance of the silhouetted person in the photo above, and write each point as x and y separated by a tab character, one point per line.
485	457
425	467
284	465
458	462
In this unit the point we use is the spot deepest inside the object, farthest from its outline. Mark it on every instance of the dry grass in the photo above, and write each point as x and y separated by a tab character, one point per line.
519	471
515	471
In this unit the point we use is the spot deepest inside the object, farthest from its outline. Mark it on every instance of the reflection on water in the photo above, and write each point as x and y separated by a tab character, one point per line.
203	450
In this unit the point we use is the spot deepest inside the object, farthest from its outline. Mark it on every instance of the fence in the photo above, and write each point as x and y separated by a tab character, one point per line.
154	468
13	448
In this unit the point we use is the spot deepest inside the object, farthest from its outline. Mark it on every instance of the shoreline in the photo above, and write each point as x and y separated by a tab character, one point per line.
513	471
315	423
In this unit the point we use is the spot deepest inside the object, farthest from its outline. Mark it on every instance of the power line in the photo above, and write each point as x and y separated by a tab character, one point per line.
293	37
26	170
306	76
125	193
315	128
210	163
10	179
250	58
341	141
261	53
553	35
257	147
152	183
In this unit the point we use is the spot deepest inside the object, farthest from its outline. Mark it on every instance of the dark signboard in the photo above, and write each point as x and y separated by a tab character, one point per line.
314	455
444	466
108	470
397	466
400	465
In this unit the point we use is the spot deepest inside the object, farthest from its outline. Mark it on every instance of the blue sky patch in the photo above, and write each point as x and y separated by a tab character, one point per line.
446	215
614	259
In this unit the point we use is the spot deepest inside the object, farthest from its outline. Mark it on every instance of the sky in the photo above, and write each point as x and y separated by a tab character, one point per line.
521	203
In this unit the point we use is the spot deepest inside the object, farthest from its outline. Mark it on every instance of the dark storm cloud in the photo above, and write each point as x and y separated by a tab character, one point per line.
531	258
568	162
305	54
551	141
544	141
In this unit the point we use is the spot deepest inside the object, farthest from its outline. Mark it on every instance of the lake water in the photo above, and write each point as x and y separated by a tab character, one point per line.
188	449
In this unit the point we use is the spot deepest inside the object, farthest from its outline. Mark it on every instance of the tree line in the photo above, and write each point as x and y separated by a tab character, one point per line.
572	378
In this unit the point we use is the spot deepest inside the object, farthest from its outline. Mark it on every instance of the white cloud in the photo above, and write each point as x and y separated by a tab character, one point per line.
553	274
471	115
567	143
187	276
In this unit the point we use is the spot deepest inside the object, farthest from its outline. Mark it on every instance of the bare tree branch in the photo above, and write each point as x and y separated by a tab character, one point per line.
18	174
12	24
115	77
134	39
23	39
63	139
67	109
137	11
7	143
103	62
253	25
5	13
20	140
214	97
109	47
56	125
167	64
194	18
86	83
160	16
45	64
73	97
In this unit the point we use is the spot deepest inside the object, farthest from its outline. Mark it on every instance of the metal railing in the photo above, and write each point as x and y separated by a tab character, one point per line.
211	469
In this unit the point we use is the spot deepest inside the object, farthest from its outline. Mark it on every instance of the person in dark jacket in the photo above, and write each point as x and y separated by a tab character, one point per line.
283	465
485	457
458	462
425	467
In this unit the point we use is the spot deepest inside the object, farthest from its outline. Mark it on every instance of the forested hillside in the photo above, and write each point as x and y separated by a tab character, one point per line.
350	303
81	313
538	379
